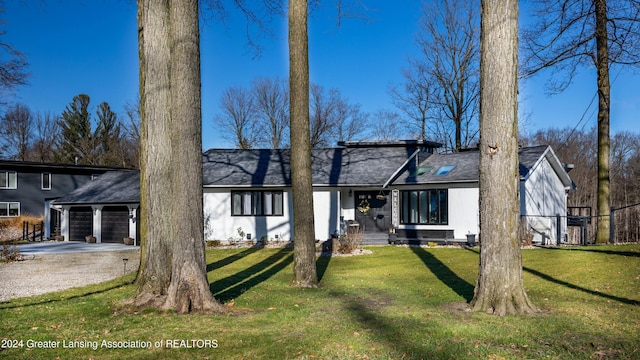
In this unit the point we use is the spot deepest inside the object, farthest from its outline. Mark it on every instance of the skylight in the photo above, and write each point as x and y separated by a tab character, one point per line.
444	170
419	171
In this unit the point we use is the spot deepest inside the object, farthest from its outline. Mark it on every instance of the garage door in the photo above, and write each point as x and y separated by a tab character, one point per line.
80	223
115	224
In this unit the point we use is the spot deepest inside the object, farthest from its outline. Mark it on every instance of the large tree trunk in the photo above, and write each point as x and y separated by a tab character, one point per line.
604	139
172	272
303	228
500	288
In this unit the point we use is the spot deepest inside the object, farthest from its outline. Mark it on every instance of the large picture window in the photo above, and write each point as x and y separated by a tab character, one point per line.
9	209
424	207
8	180
261	203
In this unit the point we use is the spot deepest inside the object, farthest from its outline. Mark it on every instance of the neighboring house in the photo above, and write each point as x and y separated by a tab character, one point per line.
26	187
387	186
106	208
398	187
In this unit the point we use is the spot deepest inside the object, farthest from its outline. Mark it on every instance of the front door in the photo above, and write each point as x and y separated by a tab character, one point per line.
373	211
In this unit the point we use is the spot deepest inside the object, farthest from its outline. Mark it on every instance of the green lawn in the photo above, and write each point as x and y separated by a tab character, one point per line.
398	303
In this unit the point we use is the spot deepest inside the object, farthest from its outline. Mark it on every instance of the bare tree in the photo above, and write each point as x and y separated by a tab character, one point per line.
172	271
16	128
571	35
449	41
333	118
387	125
500	288
238	119
439	95
304	259
131	129
13	66
352	123
271	103
415	98
323	115
45	137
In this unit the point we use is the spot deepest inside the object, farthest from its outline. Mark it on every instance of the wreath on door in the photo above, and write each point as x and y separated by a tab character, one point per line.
364	206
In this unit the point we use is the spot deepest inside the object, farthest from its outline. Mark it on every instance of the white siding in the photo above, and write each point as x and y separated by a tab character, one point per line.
222	226
542	198
463	211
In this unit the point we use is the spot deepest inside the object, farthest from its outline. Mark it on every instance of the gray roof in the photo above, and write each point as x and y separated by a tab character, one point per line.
114	187
331	167
350	166
466	166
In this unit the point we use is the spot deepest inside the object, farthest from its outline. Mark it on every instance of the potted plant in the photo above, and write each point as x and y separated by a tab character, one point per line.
90	239
393	237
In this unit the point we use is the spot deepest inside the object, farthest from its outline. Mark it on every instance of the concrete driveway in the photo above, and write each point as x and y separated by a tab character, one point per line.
64	247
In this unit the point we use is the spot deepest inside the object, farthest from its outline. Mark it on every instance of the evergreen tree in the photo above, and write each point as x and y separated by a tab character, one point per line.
77	141
108	136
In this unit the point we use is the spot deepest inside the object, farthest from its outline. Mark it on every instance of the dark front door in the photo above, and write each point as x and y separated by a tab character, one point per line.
115	224
80	223
373	210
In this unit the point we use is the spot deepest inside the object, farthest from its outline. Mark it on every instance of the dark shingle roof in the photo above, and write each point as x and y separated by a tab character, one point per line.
350	166
335	166
465	166
114	187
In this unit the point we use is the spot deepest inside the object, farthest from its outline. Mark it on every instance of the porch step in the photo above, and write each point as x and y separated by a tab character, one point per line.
375	239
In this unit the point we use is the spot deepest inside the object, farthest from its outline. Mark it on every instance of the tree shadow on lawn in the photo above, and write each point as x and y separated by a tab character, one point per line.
60	299
230	259
596	250
399	333
235	285
579	288
444	274
322	263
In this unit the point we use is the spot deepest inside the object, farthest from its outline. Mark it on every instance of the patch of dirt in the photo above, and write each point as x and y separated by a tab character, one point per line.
41	274
460	308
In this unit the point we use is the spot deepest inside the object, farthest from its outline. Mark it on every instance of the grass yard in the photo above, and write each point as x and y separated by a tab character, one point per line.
398	303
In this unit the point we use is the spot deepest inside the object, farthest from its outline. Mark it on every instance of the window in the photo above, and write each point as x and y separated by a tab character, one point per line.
9	209
424	207
262	203
46	181
444	170
8	180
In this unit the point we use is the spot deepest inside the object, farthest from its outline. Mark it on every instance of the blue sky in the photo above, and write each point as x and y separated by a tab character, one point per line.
90	46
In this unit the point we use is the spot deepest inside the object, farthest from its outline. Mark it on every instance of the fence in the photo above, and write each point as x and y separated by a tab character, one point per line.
32	232
625	224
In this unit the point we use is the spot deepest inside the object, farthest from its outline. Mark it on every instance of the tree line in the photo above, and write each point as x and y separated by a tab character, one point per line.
258	116
73	137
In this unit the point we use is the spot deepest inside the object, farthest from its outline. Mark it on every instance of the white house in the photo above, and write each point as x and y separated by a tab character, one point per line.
391	186
398	187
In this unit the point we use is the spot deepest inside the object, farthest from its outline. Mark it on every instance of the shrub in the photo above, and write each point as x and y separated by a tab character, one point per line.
350	241
10	253
214	243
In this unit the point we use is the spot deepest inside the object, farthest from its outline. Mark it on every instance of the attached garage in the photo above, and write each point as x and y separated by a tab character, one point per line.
80	223
115	224
106	208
